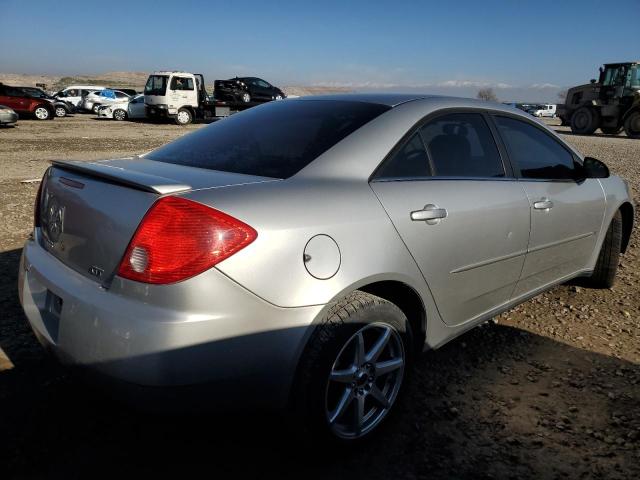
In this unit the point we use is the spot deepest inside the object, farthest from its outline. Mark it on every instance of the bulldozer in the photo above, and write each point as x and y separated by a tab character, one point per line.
611	104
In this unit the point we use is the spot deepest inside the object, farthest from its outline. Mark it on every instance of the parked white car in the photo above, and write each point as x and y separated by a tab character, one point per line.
95	100
75	93
131	109
547	110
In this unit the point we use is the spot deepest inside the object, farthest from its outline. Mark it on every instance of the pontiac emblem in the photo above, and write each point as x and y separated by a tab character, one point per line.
54	220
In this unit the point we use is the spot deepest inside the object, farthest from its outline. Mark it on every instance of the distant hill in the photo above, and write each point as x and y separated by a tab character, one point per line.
134	80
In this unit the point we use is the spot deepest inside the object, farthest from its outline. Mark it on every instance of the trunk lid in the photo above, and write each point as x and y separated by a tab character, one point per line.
89	211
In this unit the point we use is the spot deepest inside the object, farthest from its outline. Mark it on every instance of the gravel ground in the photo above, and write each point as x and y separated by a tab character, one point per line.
550	390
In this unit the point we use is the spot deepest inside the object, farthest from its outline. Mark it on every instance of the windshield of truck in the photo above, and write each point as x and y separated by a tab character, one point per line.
275	140
156	85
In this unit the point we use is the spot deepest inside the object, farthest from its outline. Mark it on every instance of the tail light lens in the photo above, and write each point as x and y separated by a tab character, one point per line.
179	238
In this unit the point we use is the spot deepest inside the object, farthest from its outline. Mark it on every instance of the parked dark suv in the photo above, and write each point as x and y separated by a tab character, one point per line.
246	90
25	104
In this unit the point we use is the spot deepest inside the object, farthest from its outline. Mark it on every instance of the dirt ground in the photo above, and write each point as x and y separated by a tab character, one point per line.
551	390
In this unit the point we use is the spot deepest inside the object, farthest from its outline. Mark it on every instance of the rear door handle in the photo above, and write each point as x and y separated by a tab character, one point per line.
543	204
431	214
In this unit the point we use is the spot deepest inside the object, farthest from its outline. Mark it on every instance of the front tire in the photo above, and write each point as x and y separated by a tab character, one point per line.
61	112
184	117
246	98
353	368
119	115
96	108
585	121
604	274
632	125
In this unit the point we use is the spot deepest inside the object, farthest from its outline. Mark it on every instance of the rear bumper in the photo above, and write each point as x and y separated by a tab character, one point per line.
214	333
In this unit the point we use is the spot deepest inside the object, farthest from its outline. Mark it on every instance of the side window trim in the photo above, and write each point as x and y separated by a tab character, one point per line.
516	170
510	171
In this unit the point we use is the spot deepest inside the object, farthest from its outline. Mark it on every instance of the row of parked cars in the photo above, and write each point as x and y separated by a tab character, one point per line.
121	104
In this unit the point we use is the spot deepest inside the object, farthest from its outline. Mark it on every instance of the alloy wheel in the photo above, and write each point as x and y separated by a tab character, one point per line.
60	112
41	113
364	380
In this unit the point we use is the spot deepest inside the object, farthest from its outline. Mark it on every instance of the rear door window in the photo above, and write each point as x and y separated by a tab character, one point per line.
410	161
534	151
276	140
461	145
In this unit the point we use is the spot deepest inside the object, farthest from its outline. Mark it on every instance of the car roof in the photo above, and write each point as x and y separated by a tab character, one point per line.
389	99
396	99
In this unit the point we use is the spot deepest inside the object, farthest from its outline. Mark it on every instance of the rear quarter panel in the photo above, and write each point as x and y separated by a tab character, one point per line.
287	215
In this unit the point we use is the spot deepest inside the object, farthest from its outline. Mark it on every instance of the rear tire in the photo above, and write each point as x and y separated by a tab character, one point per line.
632	125
119	115
604	274
611	130
585	121
246	98
42	113
184	117
330	355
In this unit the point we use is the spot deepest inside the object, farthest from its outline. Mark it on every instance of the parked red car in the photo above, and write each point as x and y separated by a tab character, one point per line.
23	104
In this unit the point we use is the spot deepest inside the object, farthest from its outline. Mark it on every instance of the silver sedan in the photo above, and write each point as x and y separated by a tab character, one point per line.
298	254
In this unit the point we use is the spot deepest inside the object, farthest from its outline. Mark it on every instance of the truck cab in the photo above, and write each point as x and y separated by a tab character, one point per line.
180	96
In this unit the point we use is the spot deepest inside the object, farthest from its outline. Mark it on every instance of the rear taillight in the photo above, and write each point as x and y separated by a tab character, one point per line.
179	238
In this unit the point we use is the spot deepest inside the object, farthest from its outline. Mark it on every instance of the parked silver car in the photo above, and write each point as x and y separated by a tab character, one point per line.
299	253
94	100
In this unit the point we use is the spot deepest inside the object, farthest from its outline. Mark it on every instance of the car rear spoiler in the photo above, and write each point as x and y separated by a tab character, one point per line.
122	176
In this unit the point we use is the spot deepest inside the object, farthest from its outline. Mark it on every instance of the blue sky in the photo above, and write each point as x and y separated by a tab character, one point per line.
518	47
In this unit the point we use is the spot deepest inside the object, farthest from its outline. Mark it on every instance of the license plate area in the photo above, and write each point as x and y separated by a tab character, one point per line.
51	314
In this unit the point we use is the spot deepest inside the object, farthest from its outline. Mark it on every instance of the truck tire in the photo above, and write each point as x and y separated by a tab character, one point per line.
632	125
611	130
604	274
585	121
184	117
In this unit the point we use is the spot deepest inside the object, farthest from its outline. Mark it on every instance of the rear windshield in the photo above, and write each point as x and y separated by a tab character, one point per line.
276	140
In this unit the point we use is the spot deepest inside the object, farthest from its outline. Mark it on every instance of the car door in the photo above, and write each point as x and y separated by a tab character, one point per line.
567	211
262	90
73	96
136	107
459	211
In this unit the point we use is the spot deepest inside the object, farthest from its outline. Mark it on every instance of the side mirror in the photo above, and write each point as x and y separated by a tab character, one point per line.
593	168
